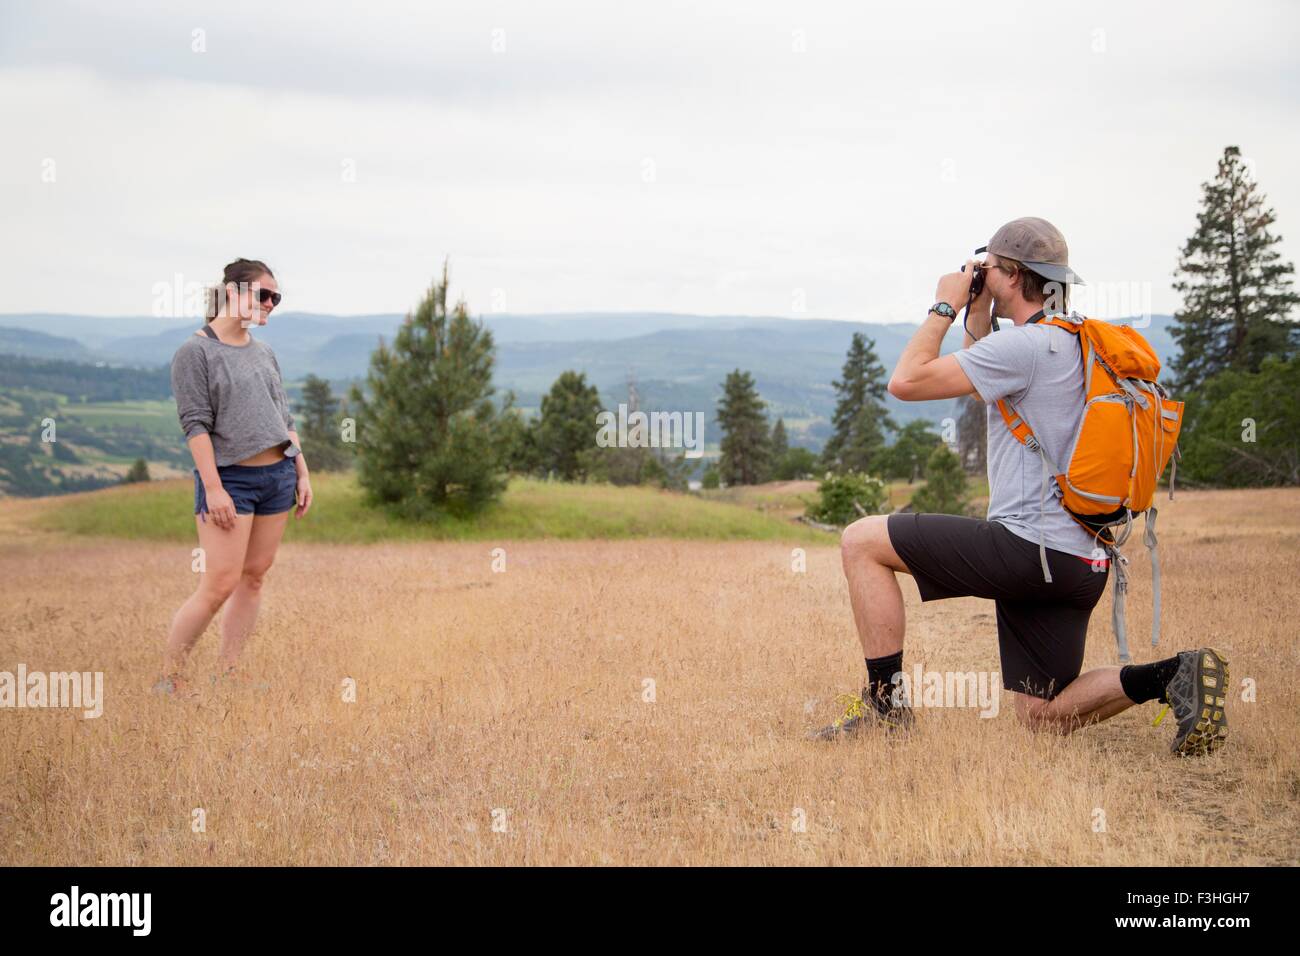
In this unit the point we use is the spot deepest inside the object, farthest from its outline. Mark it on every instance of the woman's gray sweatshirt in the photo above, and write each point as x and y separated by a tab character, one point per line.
235	393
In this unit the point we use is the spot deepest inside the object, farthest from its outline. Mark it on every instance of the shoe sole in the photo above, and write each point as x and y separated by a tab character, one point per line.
1210	731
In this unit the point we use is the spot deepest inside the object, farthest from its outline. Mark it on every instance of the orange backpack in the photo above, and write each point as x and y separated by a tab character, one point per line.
1127	435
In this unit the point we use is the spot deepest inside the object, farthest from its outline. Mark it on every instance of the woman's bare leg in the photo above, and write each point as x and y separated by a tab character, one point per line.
241	610
223	559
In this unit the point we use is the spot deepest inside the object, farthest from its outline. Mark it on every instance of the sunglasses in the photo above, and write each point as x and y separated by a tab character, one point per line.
266	295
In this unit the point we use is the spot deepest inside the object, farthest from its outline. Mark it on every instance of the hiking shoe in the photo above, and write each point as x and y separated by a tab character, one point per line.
1197	695
860	716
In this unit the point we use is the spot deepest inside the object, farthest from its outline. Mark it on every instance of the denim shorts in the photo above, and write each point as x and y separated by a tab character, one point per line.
255	489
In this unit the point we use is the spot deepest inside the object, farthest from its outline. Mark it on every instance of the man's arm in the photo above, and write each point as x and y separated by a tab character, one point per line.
922	374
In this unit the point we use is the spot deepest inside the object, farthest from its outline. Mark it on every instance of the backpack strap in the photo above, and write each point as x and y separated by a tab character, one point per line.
1025	435
1149	539
1119	563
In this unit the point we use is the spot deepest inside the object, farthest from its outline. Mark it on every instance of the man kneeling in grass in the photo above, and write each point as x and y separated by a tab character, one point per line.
1042	625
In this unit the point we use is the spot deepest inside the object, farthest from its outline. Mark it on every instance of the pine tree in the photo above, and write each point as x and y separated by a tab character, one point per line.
324	447
860	420
780	442
746	443
428	438
780	448
944	491
1237	291
630	465
973	434
1248	432
910	451
567	427
139	471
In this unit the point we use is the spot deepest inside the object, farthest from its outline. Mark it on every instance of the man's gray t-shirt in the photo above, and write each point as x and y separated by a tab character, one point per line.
1039	371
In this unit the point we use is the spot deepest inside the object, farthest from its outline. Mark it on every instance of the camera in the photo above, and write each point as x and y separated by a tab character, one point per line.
976	281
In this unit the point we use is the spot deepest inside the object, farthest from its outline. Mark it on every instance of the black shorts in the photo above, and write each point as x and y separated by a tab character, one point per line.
1042	628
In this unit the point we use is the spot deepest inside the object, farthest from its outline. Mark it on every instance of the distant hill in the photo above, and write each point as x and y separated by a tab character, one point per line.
678	361
31	344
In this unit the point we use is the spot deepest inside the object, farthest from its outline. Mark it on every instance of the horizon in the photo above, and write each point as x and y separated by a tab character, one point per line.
526	315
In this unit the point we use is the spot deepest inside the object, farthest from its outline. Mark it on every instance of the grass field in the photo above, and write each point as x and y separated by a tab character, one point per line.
791	498
531	509
509	717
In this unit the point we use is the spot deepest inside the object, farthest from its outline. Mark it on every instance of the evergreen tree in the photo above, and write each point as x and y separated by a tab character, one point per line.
566	429
780	443
1237	291
630	465
746	443
1248	429
797	462
319	427
906	458
139	472
860	420
944	491
429	439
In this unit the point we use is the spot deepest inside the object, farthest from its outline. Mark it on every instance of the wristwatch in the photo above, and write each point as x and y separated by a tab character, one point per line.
944	309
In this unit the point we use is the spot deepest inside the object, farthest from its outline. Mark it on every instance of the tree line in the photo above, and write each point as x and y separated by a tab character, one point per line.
432	434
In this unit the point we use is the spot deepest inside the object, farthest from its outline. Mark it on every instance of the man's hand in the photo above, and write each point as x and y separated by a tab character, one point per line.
954	288
921	374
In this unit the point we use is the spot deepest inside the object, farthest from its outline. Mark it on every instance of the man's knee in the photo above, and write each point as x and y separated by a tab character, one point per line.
1039	714
867	540
1033	712
862	539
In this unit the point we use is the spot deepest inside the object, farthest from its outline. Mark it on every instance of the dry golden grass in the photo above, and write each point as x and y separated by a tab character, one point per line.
523	691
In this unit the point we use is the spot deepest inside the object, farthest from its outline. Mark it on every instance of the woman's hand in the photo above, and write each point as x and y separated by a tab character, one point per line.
220	506
304	494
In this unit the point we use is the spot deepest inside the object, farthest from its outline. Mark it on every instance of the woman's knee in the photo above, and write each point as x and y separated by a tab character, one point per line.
216	587
254	573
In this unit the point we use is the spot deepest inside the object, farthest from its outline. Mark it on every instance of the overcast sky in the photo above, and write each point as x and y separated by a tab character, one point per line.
798	159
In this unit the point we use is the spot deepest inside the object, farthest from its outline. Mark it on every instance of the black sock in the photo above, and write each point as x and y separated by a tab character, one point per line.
1144	682
880	679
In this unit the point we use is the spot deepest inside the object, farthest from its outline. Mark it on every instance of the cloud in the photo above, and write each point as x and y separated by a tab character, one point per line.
729	158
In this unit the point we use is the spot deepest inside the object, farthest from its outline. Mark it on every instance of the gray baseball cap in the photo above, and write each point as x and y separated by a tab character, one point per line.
1038	245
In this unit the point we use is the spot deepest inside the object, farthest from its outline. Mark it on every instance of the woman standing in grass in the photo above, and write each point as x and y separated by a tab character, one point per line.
248	469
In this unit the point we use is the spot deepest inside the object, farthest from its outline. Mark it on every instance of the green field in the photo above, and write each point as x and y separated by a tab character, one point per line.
157	418
96	441
531	509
